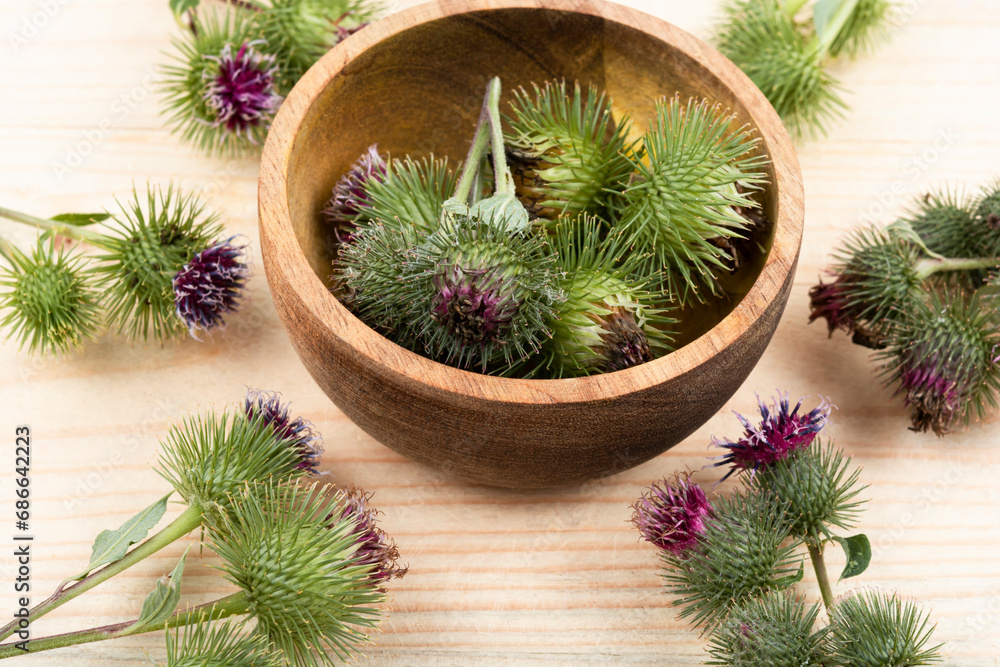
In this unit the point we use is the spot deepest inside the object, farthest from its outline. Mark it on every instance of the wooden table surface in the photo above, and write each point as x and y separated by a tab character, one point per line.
496	577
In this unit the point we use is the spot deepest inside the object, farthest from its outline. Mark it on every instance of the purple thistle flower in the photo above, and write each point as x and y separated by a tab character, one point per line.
781	432
625	343
375	548
473	304
298	433
932	394
210	285
829	301
242	93
672	514
350	194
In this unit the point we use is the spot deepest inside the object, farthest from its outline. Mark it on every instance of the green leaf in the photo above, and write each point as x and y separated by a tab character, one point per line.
502	211
111	545
830	17
859	554
80	219
160	604
178	7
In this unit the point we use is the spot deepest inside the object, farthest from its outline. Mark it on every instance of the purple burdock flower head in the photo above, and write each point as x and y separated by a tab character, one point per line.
375	548
241	91
625	343
210	285
473	304
933	392
781	431
829	301
350	194
297	432
672	514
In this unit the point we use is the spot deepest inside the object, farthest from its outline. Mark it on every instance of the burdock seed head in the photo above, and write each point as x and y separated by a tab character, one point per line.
687	193
225	644
609	320
50	301
208	456
873	628
568	154
300	560
945	358
148	244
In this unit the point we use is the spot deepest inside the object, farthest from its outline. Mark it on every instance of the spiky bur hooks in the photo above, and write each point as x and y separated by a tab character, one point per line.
786	47
234	65
731	564
311	566
163	267
922	292
569	266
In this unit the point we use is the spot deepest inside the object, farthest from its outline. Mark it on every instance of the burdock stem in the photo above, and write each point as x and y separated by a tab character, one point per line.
60	228
927	267
178	528
816	555
232	605
488	131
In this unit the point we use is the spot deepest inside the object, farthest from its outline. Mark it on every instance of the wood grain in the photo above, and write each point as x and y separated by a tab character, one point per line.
496	577
419	75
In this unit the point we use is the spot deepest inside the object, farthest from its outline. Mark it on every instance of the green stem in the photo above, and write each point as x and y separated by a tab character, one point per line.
929	266
178	528
816	555
489	131
62	229
840	19
235	604
504	183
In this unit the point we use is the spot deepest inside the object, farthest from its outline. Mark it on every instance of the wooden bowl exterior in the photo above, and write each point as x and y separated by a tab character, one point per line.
413	83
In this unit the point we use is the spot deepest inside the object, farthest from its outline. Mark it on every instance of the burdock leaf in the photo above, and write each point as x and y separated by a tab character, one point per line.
160	604
111	545
859	553
178	7
80	219
830	16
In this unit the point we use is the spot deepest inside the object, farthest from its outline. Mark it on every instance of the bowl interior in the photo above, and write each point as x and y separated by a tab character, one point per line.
419	92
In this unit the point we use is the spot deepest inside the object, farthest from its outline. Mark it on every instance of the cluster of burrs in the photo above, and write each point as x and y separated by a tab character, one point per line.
234	64
786	47
731	564
310	562
925	293
163	267
560	256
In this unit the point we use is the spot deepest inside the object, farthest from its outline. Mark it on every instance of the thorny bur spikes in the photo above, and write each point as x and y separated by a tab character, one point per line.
671	514
51	303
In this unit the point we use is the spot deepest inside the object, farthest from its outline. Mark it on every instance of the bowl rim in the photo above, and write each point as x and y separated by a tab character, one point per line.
276	230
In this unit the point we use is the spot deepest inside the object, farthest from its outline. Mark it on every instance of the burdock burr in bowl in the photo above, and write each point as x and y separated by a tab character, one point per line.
412	84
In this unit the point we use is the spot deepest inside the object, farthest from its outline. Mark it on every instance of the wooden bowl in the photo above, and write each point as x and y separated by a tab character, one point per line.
414	83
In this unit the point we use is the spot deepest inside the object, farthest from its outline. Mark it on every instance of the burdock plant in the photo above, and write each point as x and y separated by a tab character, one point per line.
206	458
51	303
609	320
161	268
786	51
230	73
305	579
568	154
475	290
731	563
685	197
921	292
